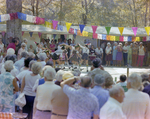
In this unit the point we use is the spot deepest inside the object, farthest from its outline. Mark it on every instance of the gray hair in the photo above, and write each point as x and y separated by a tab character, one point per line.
23	44
115	90
49	73
145	77
99	80
10	51
76	72
42	56
115	43
31	63
24	54
59	75
31	54
9	65
43	70
25	40
36	68
86	81
135	81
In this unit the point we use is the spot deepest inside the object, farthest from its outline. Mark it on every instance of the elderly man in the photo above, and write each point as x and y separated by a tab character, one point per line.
101	94
112	108
99	52
81	102
42	102
97	70
20	63
136	104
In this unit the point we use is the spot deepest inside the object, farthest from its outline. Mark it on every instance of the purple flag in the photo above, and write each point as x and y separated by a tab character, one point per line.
94	28
54	24
134	30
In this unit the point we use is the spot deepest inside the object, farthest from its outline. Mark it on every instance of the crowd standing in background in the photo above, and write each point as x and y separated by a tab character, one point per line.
52	93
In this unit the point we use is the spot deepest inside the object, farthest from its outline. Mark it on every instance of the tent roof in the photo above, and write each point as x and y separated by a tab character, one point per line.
100	30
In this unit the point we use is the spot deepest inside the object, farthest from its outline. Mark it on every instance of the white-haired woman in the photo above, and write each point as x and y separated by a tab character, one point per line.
136	104
26	87
22	49
8	86
42	58
114	53
26	41
108	54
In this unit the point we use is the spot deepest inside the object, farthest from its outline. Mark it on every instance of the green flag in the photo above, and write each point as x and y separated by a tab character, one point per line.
108	30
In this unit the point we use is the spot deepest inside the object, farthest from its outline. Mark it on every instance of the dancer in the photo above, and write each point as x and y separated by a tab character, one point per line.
85	55
115	53
119	54
38	48
64	58
108	54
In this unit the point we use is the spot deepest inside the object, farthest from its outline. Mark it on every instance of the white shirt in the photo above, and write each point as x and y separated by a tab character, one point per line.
1	47
108	50
44	95
112	110
125	48
20	63
99	51
39	50
20	51
84	49
141	50
43	63
29	83
136	105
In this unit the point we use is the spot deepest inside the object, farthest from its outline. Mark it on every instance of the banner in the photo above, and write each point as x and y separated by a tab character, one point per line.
40	34
121	38
125	38
79	33
31	18
95	35
134	30
13	16
71	31
147	29
107	37
108	30
5	17
68	25
117	38
104	37
130	38
133	39
121	30
99	36
137	39
59	27
81	27
3	33
21	16
40	20
90	35
22	33
48	24
94	28
54	24
112	38
31	33
85	33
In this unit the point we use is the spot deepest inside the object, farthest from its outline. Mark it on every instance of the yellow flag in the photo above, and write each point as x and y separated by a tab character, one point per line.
68	25
147	30
137	38
48	24
85	33
121	30
112	38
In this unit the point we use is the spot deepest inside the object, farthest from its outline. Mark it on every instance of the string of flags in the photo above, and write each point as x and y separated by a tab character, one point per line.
53	24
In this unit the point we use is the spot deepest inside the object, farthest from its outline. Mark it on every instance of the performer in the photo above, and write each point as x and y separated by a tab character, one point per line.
85	55
141	55
114	53
108	54
64	58
130	55
38	48
119	54
92	50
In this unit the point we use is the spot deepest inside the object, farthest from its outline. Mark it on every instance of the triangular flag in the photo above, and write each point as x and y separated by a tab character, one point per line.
54	24
74	36
39	33
54	35
121	30
94	28
22	33
108	30
68	25
31	33
3	33
81	27
147	30
134	30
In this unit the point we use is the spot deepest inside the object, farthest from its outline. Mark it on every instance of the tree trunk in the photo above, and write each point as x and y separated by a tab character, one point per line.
14	27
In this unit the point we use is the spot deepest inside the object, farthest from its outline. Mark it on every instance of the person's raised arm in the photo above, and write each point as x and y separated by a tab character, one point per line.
23	85
15	85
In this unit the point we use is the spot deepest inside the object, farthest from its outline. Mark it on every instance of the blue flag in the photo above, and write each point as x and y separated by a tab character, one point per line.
31	33
129	38
21	16
81	27
59	27
104	37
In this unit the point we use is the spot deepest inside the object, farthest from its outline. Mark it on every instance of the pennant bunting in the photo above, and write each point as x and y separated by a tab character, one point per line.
147	29
54	36
71	31
31	33
40	20
95	35
31	18
133	38
74	36
48	24
134	30
129	38
125	38
22	33
117	38
5	17
112	38
94	28
107	37
21	16
90	35
108	30
85	33
79	33
148	38
81	27
3	33
104	37
99	36
13	16
40	34
59	27
137	39
54	24
121	38
121	30
68	25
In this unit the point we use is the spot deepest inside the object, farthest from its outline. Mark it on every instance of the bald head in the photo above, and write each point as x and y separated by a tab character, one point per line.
86	81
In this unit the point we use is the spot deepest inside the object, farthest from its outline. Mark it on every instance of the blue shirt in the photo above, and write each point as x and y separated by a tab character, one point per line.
20	63
101	94
81	103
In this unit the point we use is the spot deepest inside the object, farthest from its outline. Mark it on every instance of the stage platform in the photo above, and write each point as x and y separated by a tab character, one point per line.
117	71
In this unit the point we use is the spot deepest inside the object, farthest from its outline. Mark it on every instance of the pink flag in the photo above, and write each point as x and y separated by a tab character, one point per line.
144	38
134	30
3	33
121	38
13	16
40	20
39	33
94	28
22	33
54	24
